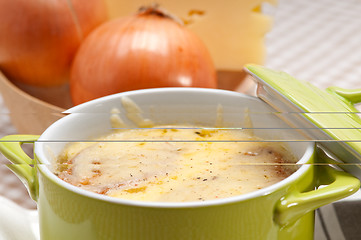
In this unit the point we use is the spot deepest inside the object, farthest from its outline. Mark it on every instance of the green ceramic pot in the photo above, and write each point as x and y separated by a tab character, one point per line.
282	211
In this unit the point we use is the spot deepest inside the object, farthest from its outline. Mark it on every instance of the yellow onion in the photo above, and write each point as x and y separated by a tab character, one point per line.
147	50
38	38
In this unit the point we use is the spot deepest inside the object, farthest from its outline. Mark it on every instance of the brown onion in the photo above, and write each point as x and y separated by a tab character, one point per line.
146	50
38	38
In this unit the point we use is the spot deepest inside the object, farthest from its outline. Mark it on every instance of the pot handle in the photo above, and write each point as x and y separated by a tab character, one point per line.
23	166
336	185
352	95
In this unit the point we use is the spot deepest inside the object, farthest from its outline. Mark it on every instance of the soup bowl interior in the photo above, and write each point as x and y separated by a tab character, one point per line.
171	106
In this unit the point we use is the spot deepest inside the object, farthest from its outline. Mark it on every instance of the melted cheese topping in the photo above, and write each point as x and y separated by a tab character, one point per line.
175	164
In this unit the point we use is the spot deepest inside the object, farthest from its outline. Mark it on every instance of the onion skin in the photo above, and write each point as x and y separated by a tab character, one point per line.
137	52
39	38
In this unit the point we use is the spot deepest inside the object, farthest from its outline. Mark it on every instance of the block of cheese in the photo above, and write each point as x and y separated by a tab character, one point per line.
232	30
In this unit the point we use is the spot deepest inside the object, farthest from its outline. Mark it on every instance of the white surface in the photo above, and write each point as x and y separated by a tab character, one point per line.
17	223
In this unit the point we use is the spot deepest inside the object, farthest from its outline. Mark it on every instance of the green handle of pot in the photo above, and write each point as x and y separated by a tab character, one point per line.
23	166
336	185
352	95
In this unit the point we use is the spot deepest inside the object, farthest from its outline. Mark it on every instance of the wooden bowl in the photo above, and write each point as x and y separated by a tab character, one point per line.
32	109
29	114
